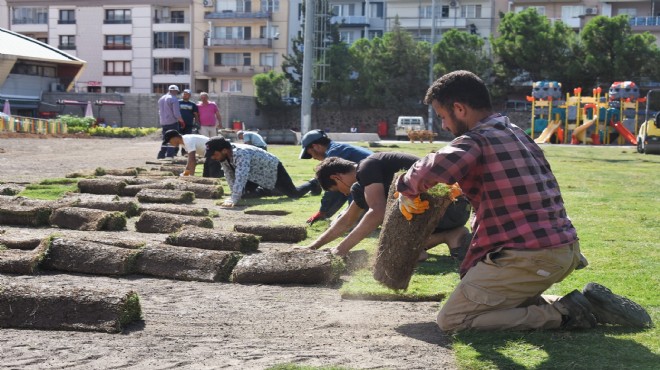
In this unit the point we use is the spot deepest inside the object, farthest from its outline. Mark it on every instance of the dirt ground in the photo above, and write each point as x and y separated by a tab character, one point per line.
209	325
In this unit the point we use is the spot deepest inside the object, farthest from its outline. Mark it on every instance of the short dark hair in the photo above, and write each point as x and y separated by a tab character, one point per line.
459	86
332	166
325	141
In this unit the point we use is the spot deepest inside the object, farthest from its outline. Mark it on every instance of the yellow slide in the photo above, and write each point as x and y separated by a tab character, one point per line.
548	131
579	132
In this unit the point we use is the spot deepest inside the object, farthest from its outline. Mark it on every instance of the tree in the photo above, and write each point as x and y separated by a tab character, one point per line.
459	50
269	88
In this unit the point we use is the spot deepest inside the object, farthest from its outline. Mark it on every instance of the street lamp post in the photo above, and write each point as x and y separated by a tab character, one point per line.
431	62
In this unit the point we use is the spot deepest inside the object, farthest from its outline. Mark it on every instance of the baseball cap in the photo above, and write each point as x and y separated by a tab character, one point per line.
169	134
308	139
173	87
216	143
239	133
186	91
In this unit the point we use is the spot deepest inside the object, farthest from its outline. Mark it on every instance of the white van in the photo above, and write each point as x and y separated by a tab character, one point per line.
406	123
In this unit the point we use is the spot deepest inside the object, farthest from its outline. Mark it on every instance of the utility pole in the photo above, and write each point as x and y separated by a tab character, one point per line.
431	62
308	68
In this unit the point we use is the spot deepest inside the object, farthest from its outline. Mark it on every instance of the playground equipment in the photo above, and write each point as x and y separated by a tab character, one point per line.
547	133
545	101
648	138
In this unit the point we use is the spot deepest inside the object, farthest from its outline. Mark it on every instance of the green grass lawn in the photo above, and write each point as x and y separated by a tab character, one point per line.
612	195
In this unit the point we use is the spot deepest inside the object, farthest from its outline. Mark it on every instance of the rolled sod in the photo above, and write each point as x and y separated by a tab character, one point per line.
115	242
100	171
401	241
267	212
182	263
165	196
274	233
201	180
63	308
129	207
88	219
25	243
158	222
19	215
196	237
175	209
11	189
24	262
201	191
89	258
101	186
290	267
174	169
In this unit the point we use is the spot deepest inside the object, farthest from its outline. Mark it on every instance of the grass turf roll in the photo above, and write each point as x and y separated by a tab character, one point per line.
201	191
289	267
174	209
274	233
101	186
23	262
26	243
64	308
128	207
267	212
100	171
401	241
182	263
196	237
19	215
165	196
158	222
87	219
89	257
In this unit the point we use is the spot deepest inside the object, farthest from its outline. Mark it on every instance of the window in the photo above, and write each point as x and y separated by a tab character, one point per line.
274	32
163	88
233	33
568	12
631	12
177	16
231	85
270	6
67	16
117	16
343	10
471	11
117	42
28	15
118	89
67	42
539	9
171	40
172	66
376	10
376	33
346	37
267	59
247	59
117	68
228	59
23	68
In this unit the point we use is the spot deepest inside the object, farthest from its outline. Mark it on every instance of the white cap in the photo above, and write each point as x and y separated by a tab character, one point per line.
173	87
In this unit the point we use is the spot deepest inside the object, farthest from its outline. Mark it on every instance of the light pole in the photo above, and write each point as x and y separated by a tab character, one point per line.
431	61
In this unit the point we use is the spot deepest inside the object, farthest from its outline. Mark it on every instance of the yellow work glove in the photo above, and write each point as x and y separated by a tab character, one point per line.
410	207
455	191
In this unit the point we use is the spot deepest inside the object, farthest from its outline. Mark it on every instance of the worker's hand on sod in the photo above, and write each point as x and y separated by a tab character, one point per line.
337	251
410	207
186	173
315	217
227	204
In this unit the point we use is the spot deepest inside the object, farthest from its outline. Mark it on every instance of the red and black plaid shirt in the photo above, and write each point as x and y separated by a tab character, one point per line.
509	183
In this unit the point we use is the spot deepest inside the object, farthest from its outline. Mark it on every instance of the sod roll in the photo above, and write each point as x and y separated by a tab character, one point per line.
158	222
100	171
24	262
64	308
196	237
290	267
201	191
89	258
129	207
174	169
18	215
401	241
182	263
274	233
201	180
87	219
267	212
11	189
165	196
26	243
175	209
101	186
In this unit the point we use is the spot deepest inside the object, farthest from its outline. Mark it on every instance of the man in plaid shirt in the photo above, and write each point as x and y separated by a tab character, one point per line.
523	239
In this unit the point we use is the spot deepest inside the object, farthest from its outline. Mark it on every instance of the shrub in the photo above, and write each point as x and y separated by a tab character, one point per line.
121	131
77	124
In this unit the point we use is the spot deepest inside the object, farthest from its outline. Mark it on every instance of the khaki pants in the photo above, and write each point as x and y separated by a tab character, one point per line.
504	291
209	131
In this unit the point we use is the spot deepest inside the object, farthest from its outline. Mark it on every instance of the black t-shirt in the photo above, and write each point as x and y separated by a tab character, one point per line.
379	168
188	110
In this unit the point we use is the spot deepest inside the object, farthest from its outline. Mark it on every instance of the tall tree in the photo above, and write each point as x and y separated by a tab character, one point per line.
460	50
269	88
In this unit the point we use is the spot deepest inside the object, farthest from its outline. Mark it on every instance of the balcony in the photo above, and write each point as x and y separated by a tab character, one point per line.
350	21
66	21
117	21
117	47
230	14
235	71
38	20
239	43
425	23
171	20
645	23
66	46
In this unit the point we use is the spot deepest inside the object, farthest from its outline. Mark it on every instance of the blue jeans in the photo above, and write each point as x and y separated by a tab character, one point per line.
166	150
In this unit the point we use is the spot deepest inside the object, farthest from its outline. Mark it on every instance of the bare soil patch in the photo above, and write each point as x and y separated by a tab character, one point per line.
198	325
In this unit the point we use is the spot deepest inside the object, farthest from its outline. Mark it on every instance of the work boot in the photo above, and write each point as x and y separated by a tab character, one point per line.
579	309
610	308
316	187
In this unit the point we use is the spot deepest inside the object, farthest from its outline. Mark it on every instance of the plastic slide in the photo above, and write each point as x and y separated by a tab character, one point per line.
579	132
623	131
548	131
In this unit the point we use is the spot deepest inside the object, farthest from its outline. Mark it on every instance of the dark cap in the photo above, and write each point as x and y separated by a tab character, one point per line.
169	134
308	139
216	144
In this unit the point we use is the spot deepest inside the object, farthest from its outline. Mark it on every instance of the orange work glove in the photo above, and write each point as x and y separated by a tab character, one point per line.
410	207
455	191
186	173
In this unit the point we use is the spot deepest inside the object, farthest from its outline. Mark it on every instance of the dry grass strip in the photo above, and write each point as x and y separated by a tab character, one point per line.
101	186
89	258
274	233
158	222
19	215
186	263
88	219
165	196
196	237
289	267
23	262
63	308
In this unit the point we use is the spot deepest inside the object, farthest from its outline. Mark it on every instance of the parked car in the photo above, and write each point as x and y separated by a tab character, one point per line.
291	101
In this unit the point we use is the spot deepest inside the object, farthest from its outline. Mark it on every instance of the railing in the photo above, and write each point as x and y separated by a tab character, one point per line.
117	47
117	73
66	21
350	20
67	46
171	45
29	21
170	72
117	21
230	14
166	20
240	42
32	125
645	21
243	70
